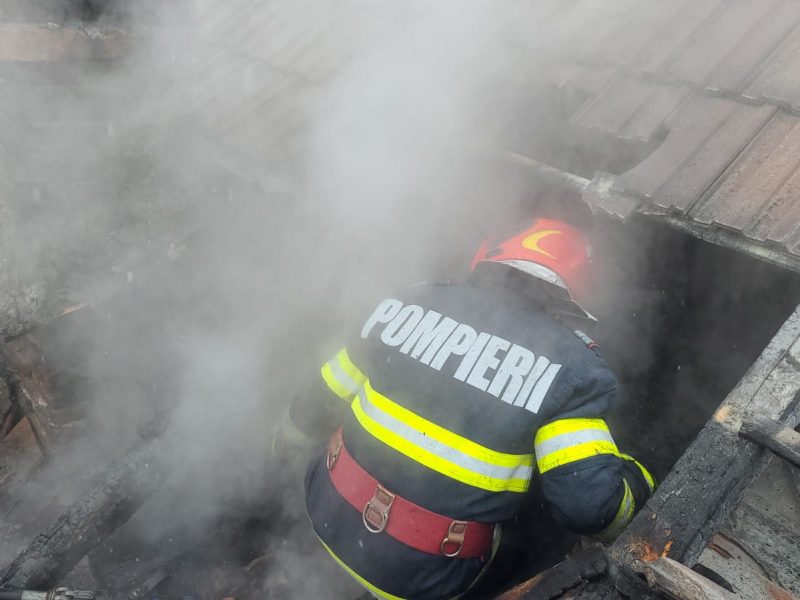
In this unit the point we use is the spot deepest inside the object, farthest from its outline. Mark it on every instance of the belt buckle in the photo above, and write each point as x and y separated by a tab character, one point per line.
376	512
334	448
455	535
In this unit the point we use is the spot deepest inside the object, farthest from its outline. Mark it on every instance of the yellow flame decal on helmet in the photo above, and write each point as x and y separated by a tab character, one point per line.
532	241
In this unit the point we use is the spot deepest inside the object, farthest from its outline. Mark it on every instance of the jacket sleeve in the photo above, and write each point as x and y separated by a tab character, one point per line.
320	406
591	486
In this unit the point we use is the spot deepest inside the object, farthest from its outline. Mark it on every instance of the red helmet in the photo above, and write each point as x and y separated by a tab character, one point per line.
548	249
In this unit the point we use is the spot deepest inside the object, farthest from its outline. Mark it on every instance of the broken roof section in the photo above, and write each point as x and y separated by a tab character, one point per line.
709	88
714	85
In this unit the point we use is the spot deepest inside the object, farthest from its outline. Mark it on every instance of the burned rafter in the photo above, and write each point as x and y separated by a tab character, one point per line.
681	582
122	489
680	519
555	581
783	441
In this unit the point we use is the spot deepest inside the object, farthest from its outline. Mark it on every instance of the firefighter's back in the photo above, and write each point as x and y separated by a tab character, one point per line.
448	386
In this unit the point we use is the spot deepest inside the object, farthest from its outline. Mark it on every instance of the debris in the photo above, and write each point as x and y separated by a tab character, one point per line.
560	578
123	488
31	387
680	582
780	439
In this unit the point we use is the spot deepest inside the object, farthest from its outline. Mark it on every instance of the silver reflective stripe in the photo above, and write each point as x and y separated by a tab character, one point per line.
342	377
33	596
439	449
574	438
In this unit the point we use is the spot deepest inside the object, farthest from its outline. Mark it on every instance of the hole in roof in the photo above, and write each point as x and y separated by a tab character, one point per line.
681	321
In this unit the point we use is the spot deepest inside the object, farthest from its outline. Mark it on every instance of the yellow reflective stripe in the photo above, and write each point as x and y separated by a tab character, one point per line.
433	461
445	436
574	454
333	383
651	482
424	441
342	376
348	367
570	440
624	516
378	593
563	426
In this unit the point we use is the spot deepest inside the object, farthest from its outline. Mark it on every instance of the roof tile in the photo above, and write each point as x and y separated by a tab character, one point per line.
673	34
779	79
705	136
734	22
631	36
780	220
749	53
591	80
632	109
579	26
755	177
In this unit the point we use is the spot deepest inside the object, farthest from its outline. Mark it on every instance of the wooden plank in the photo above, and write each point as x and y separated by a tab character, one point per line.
781	440
123	488
680	582
554	582
708	481
766	525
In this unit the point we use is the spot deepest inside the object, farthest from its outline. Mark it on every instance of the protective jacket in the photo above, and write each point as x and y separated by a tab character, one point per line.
458	396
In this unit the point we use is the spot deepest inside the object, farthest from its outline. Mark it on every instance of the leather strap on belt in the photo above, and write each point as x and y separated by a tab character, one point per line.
406	522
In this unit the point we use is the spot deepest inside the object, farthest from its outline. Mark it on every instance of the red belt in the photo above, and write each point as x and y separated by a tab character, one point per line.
406	522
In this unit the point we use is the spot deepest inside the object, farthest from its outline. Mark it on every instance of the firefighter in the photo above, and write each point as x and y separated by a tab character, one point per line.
448	402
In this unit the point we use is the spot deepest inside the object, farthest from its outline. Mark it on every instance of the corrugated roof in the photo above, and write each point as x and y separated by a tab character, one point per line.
712	87
716	85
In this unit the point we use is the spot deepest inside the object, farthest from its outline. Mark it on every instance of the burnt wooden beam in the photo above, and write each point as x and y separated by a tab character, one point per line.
123	488
559	579
708	481
602	589
783	441
681	583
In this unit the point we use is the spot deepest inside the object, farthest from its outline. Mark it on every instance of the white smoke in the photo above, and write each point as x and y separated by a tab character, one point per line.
261	171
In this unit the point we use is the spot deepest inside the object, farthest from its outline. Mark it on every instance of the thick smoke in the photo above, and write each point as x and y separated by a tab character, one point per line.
249	176
243	258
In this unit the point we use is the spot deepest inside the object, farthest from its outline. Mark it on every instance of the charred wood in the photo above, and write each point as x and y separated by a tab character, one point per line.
123	488
680	582
781	440
602	589
567	575
709	481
